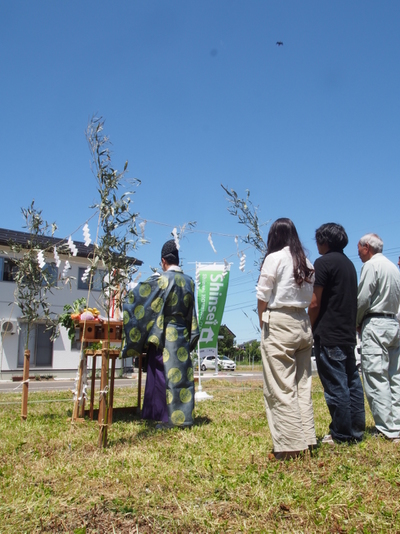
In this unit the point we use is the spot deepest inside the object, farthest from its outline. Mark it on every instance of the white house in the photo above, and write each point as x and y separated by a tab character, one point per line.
59	358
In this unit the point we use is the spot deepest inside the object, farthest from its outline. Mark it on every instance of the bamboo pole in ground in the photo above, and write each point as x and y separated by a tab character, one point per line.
75	413
92	386
103	395
25	385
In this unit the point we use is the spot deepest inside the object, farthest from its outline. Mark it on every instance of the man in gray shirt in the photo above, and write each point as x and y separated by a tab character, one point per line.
378	304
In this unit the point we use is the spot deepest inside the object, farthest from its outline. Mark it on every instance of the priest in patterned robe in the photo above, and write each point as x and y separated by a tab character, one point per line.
160	318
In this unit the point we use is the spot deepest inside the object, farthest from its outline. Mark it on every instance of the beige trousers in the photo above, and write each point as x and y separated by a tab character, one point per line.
286	344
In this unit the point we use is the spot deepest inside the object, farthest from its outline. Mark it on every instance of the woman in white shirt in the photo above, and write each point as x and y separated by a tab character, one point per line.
284	291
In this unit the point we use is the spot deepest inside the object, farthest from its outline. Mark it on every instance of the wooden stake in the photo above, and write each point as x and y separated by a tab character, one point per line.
111	398
25	385
103	397
92	386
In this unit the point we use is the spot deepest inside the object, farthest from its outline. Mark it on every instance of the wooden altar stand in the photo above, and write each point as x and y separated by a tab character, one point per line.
90	332
93	412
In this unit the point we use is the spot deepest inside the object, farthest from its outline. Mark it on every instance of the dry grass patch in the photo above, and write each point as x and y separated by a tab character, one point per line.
215	477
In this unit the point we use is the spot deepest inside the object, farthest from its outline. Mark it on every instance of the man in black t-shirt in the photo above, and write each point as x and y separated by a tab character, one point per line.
332	312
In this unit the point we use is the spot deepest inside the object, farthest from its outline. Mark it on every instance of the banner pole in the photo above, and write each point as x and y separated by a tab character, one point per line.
200	395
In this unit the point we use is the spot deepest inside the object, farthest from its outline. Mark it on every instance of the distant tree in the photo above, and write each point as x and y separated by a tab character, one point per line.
253	351
225	345
240	355
250	351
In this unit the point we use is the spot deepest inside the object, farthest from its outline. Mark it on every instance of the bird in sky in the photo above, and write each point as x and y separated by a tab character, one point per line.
279	43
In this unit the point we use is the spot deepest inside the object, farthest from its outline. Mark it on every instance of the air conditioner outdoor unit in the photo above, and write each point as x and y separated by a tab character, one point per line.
9	326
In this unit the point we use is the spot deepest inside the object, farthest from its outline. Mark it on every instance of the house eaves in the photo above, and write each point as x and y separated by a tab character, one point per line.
47	243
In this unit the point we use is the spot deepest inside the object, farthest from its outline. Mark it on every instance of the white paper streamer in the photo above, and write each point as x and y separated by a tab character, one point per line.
84	394
86	234
75	390
175	234
211	242
226	268
85	275
242	262
41	260
72	247
57	257
67	266
142	226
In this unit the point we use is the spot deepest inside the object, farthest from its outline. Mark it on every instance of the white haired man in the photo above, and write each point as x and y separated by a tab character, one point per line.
378	304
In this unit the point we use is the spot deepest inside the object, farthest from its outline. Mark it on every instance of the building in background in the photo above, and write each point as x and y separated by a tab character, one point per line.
59	357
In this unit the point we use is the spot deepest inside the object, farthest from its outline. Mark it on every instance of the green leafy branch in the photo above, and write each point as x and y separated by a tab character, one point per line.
118	236
32	282
246	213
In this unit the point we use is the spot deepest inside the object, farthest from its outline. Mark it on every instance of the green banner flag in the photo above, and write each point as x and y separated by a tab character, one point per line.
212	288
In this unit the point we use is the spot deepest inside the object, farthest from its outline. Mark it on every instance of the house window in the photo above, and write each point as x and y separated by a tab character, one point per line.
97	281
40	345
7	269
51	272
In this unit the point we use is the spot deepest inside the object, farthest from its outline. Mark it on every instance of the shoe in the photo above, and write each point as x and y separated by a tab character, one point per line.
328	440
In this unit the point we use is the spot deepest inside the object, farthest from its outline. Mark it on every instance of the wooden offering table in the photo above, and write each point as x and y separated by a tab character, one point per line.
91	332
113	355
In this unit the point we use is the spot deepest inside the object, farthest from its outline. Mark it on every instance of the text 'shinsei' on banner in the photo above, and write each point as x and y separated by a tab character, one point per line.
212	288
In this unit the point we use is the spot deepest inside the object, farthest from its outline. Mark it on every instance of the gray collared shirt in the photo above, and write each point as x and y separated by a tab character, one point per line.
379	288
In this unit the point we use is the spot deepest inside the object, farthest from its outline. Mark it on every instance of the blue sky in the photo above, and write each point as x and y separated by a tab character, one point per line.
198	94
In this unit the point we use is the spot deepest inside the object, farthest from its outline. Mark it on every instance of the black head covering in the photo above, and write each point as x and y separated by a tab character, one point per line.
170	253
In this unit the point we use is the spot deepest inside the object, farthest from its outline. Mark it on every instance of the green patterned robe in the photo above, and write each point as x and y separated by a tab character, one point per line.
161	310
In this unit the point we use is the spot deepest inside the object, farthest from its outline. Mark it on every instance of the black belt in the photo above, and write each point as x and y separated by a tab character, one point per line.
389	315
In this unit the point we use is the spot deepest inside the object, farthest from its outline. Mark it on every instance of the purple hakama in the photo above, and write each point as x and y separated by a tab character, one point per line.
155	401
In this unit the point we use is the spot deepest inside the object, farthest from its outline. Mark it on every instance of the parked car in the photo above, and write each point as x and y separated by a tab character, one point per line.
208	362
226	363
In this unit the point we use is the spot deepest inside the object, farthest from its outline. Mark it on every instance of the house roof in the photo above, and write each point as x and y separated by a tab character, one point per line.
244	343
47	242
229	330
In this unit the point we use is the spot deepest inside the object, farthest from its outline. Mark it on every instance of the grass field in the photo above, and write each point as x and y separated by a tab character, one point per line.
217	477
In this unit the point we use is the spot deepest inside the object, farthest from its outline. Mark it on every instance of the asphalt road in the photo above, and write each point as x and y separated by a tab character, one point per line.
7	386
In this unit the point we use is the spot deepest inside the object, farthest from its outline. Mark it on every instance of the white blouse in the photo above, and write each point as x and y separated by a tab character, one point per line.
277	285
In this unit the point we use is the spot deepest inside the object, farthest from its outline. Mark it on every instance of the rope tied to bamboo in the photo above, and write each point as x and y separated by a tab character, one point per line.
103	393
22	383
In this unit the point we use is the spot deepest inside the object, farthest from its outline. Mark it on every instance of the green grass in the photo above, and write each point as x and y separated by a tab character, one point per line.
217	477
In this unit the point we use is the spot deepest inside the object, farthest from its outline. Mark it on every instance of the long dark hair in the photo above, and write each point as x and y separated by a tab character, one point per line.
282	234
